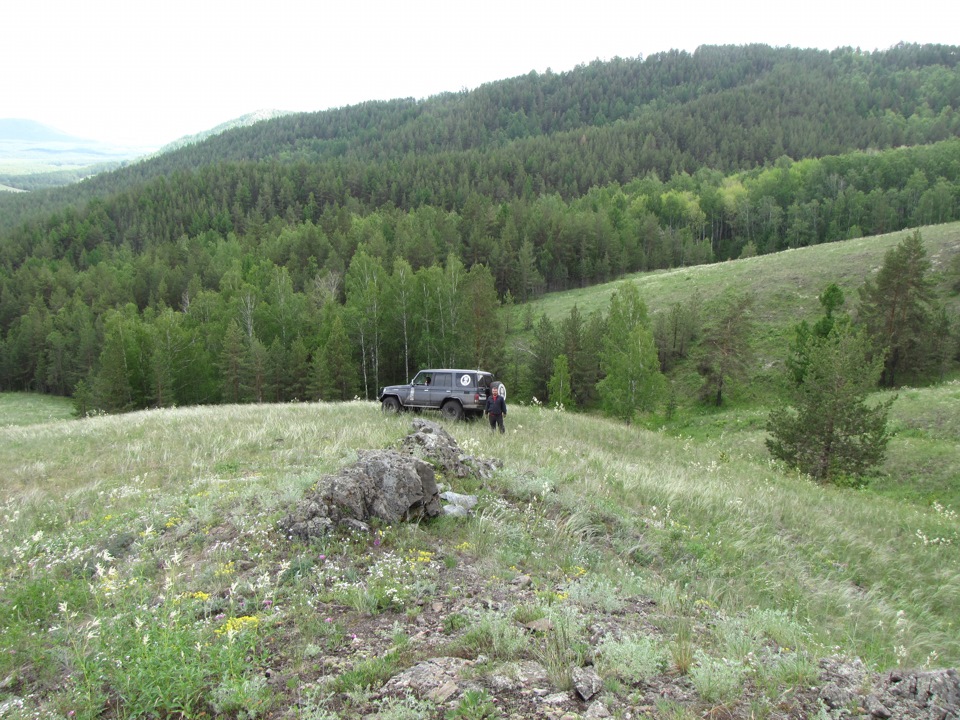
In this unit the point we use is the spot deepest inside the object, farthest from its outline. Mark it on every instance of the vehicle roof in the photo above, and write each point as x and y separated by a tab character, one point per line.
468	370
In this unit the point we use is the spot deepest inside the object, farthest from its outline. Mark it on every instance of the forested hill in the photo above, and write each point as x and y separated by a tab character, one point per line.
726	108
549	180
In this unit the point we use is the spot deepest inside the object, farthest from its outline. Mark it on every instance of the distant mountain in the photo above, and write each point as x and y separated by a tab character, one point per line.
242	121
18	129
34	156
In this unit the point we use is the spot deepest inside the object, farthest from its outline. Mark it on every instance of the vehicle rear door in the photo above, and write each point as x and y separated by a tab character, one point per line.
441	387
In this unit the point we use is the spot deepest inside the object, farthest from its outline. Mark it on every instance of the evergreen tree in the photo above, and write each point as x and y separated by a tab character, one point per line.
335	366
546	345
233	363
675	329
482	321
726	348
895	308
798	358
831	432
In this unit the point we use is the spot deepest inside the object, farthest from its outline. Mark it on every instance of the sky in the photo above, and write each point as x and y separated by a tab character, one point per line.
143	73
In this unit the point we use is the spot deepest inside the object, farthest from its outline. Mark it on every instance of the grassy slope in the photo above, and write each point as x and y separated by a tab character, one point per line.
693	524
786	284
31	409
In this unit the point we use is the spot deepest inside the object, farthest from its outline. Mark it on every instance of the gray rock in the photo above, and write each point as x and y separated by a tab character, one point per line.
837	697
902	694
597	710
456	511
586	682
437	677
517	676
930	695
468	502
389	485
432	443
382	484
875	707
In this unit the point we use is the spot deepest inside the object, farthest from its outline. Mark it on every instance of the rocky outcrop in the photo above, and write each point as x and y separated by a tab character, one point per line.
906	695
432	443
389	485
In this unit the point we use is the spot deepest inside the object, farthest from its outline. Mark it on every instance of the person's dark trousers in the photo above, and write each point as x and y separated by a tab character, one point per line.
495	421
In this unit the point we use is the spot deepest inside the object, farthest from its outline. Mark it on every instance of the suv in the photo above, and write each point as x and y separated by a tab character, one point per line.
455	393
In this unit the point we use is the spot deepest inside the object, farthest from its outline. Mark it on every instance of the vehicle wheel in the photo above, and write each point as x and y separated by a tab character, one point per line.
452	410
390	405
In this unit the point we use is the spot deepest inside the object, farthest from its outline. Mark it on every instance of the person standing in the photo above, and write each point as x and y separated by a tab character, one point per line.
496	409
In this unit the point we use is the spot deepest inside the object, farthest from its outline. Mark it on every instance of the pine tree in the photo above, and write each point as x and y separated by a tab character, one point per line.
895	308
233	363
727	354
831	432
830	299
336	369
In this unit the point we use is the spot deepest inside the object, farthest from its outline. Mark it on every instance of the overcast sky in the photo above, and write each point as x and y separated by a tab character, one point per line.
142	72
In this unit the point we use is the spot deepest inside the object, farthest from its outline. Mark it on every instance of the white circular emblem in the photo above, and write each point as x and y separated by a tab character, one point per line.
464	380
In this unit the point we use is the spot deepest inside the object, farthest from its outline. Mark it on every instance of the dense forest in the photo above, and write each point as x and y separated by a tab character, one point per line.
323	254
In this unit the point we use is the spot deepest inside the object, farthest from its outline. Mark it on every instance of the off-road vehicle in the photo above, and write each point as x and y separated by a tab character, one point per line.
455	393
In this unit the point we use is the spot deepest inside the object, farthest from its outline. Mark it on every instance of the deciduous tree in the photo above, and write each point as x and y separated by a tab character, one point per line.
632	380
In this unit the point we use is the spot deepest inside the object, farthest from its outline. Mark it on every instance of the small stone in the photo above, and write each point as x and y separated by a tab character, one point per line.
876	708
597	710
441	694
586	682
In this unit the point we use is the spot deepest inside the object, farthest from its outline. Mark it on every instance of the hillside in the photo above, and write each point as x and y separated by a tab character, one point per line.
724	108
694	578
787	284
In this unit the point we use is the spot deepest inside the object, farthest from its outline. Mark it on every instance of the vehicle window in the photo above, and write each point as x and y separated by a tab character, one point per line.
442	380
483	381
465	380
421	379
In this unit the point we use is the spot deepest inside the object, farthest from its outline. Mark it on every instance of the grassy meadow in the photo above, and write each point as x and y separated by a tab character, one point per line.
142	572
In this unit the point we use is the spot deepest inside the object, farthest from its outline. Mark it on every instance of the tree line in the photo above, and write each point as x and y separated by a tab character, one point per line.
264	261
134	254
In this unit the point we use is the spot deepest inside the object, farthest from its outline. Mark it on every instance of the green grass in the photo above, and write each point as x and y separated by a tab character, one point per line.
152	537
787	283
33	408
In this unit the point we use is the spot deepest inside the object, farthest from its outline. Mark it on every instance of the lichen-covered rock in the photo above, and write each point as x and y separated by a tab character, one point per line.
382	484
435	445
438	679
586	682
389	485
906	695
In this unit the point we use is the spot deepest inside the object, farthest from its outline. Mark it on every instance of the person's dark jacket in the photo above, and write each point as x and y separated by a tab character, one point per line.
496	405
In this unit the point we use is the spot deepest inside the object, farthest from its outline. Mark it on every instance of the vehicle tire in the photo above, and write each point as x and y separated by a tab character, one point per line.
390	405
452	410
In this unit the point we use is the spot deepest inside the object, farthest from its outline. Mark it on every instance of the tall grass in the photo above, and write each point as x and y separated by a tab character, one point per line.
152	537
